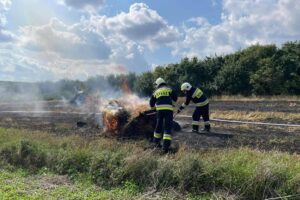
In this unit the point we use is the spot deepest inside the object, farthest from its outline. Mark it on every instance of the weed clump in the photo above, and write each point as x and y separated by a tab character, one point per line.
192	175
239	173
71	163
107	169
26	155
140	169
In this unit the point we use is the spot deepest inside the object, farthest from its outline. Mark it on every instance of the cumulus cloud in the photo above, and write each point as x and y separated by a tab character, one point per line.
67	41
89	5
77	51
14	64
141	24
243	23
4	7
5	36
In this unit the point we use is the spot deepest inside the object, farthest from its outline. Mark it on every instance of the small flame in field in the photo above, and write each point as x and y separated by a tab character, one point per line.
115	116
111	122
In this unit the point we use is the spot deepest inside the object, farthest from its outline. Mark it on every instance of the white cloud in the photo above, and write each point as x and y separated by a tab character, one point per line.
67	41
243	23
76	51
214	2
141	24
4	7
88	5
16	67
5	36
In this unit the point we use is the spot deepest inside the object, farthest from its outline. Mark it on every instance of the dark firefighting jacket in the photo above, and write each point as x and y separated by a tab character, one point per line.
163	98
196	96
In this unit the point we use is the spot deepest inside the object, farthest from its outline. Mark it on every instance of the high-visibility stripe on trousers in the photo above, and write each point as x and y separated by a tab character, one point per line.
164	125
199	112
157	135
167	137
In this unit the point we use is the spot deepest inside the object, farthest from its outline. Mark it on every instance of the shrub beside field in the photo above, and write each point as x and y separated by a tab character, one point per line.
109	164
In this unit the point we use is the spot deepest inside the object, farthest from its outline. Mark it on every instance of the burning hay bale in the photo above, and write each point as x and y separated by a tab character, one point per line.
143	126
115	117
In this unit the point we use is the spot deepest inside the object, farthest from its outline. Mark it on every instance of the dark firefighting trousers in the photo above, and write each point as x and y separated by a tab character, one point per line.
163	128
202	111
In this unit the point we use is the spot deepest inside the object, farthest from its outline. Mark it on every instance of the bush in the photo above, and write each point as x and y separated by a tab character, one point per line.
26	155
10	154
71	163
265	182
192	175
140	169
106	169
165	175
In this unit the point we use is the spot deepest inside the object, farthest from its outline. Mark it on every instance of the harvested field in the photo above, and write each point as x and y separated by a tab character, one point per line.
263	106
61	119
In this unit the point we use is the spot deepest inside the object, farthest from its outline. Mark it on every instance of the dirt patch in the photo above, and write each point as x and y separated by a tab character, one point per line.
222	136
52	182
262	106
235	136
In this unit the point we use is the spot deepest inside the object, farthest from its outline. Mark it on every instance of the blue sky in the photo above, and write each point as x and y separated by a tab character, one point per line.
75	39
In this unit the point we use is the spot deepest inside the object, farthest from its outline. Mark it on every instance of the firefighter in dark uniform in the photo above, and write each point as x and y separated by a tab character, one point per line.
202	106
162	100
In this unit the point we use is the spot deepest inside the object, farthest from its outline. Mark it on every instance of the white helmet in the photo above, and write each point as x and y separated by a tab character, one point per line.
186	86
159	81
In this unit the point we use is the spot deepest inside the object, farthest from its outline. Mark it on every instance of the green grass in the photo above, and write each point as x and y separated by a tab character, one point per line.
19	185
110	169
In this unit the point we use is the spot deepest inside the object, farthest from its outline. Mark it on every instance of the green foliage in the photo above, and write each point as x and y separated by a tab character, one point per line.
240	173
192	175
165	175
71	163
256	70
144	84
106	169
26	155
139	169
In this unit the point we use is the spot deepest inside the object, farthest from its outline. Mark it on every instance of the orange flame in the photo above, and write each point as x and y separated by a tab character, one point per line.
125	88
111	122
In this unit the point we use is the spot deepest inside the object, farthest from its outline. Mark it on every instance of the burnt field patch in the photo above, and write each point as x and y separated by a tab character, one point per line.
262	106
224	136
60	119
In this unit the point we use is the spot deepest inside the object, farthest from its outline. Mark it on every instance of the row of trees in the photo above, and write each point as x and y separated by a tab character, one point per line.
257	70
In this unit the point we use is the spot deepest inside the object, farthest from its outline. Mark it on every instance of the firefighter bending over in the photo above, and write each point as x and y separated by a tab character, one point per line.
162	100
202	106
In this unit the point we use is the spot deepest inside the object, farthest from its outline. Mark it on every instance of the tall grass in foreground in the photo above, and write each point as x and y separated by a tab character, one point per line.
242	173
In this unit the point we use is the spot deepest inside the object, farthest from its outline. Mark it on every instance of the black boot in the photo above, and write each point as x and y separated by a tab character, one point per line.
206	127
166	146
157	143
195	129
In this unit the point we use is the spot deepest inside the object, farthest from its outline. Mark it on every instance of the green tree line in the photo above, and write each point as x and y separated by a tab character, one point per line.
256	70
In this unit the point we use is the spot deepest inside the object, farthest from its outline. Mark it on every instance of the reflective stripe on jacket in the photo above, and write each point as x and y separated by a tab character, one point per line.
163	98
197	96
